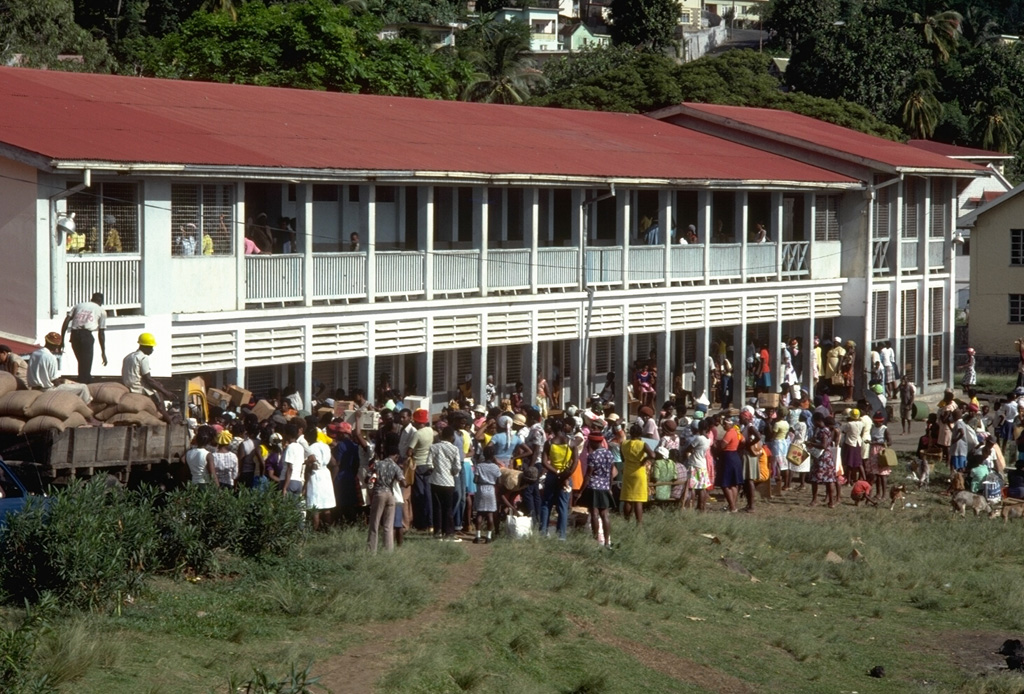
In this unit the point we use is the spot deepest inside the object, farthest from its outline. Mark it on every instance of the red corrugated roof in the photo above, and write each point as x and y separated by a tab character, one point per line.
795	127
77	117
948	150
991	195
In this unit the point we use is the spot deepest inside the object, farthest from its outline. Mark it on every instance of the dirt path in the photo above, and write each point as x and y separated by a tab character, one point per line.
357	670
667	663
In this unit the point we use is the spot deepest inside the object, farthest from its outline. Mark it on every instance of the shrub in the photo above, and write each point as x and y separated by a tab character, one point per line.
17	647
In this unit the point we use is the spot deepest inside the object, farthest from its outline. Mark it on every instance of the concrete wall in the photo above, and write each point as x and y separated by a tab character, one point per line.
22	271
993	279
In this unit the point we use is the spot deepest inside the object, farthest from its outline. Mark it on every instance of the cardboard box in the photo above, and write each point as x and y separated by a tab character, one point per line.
342	408
263	410
239	396
768	400
368	420
416	402
218	398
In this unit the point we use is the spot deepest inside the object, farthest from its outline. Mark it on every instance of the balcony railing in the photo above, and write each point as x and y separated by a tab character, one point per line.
647	265
794	259
116	277
273	278
556	267
456	272
338	276
604	266
399	273
908	255
761	261
725	260
508	269
936	254
687	263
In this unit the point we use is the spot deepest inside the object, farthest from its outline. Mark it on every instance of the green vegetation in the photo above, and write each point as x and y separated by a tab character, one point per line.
689	602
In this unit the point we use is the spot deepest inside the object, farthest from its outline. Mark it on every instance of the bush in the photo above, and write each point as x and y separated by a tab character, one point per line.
94	545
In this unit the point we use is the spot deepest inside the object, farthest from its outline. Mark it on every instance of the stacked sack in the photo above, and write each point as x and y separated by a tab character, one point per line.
113	404
32	411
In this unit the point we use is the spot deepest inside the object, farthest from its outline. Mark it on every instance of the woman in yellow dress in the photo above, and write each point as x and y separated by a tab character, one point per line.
636	457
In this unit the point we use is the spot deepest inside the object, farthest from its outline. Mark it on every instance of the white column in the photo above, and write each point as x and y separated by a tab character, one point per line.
739	362
740	227
622	375
453	224
776	228
304	230
704	215
238	233
307	365
807	349
240	357
504	214
371	249
531	210
480	367
622	220
481	220
809	229
701	377
665	224
370	384
530	382
550	223
950	267
577	233
155	250
425	229
665	361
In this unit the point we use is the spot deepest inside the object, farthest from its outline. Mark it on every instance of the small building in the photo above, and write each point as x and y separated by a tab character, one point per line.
576	35
543	23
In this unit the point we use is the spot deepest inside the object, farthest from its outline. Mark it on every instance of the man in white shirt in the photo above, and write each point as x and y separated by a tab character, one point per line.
84	319
43	370
135	375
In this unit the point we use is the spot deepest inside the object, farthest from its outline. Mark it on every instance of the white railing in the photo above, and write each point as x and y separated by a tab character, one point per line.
399	272
456	272
687	262
725	260
936	254
339	275
116	277
556	267
880	256
908	254
273	278
508	268
604	265
647	265
761	261
794	259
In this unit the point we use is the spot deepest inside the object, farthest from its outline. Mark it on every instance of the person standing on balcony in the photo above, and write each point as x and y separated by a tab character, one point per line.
186	243
84	319
760	233
353	242
111	236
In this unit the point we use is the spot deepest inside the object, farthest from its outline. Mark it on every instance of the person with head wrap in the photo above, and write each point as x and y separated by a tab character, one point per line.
853	435
225	463
507	444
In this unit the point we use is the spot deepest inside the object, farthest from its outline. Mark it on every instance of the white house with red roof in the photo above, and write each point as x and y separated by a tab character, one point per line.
492	240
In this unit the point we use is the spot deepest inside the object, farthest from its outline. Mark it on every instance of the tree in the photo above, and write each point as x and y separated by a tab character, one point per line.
41	30
649	25
996	120
921	109
500	53
794	21
940	32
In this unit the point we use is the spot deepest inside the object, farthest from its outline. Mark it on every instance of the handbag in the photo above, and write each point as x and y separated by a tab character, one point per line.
797	455
519	527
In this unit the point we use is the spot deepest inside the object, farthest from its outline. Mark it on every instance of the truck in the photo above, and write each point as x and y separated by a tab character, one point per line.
129	453
14	496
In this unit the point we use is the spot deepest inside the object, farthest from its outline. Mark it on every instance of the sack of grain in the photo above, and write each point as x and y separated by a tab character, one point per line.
11	425
74	421
8	383
131	403
43	423
106	413
135	419
107	393
14	404
57	403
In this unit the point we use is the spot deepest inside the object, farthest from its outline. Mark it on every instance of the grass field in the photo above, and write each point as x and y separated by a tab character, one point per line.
688	603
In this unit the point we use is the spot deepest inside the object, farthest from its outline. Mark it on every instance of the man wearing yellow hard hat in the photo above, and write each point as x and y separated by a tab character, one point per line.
135	375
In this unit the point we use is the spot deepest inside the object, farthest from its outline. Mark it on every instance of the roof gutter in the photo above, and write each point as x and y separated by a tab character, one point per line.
391	177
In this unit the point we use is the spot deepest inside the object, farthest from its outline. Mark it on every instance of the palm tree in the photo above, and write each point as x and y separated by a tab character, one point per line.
979	27
996	118
504	71
922	110
224	6
940	32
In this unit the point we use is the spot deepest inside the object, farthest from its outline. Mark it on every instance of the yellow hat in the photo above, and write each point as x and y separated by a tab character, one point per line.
225	438
854	413
147	340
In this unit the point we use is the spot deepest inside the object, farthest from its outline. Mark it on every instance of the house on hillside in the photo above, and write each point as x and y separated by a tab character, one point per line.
576	35
970	197
543	23
491	240
997	274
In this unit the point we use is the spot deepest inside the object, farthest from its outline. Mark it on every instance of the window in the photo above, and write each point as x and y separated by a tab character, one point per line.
385	193
940	208
604	354
910	312
202	219
938	309
910	203
826	218
684	18
107	215
883	202
440	380
1017	308
325	193
1016	247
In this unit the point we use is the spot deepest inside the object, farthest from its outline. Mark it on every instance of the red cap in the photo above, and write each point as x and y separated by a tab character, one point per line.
421	416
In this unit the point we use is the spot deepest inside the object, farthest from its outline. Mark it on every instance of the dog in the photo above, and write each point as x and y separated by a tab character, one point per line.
964	500
956	483
897	494
1008	512
923	471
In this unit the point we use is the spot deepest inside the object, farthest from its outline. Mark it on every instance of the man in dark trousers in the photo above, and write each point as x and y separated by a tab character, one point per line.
84	319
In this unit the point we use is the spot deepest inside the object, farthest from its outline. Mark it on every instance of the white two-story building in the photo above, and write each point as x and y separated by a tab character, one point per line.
493	240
